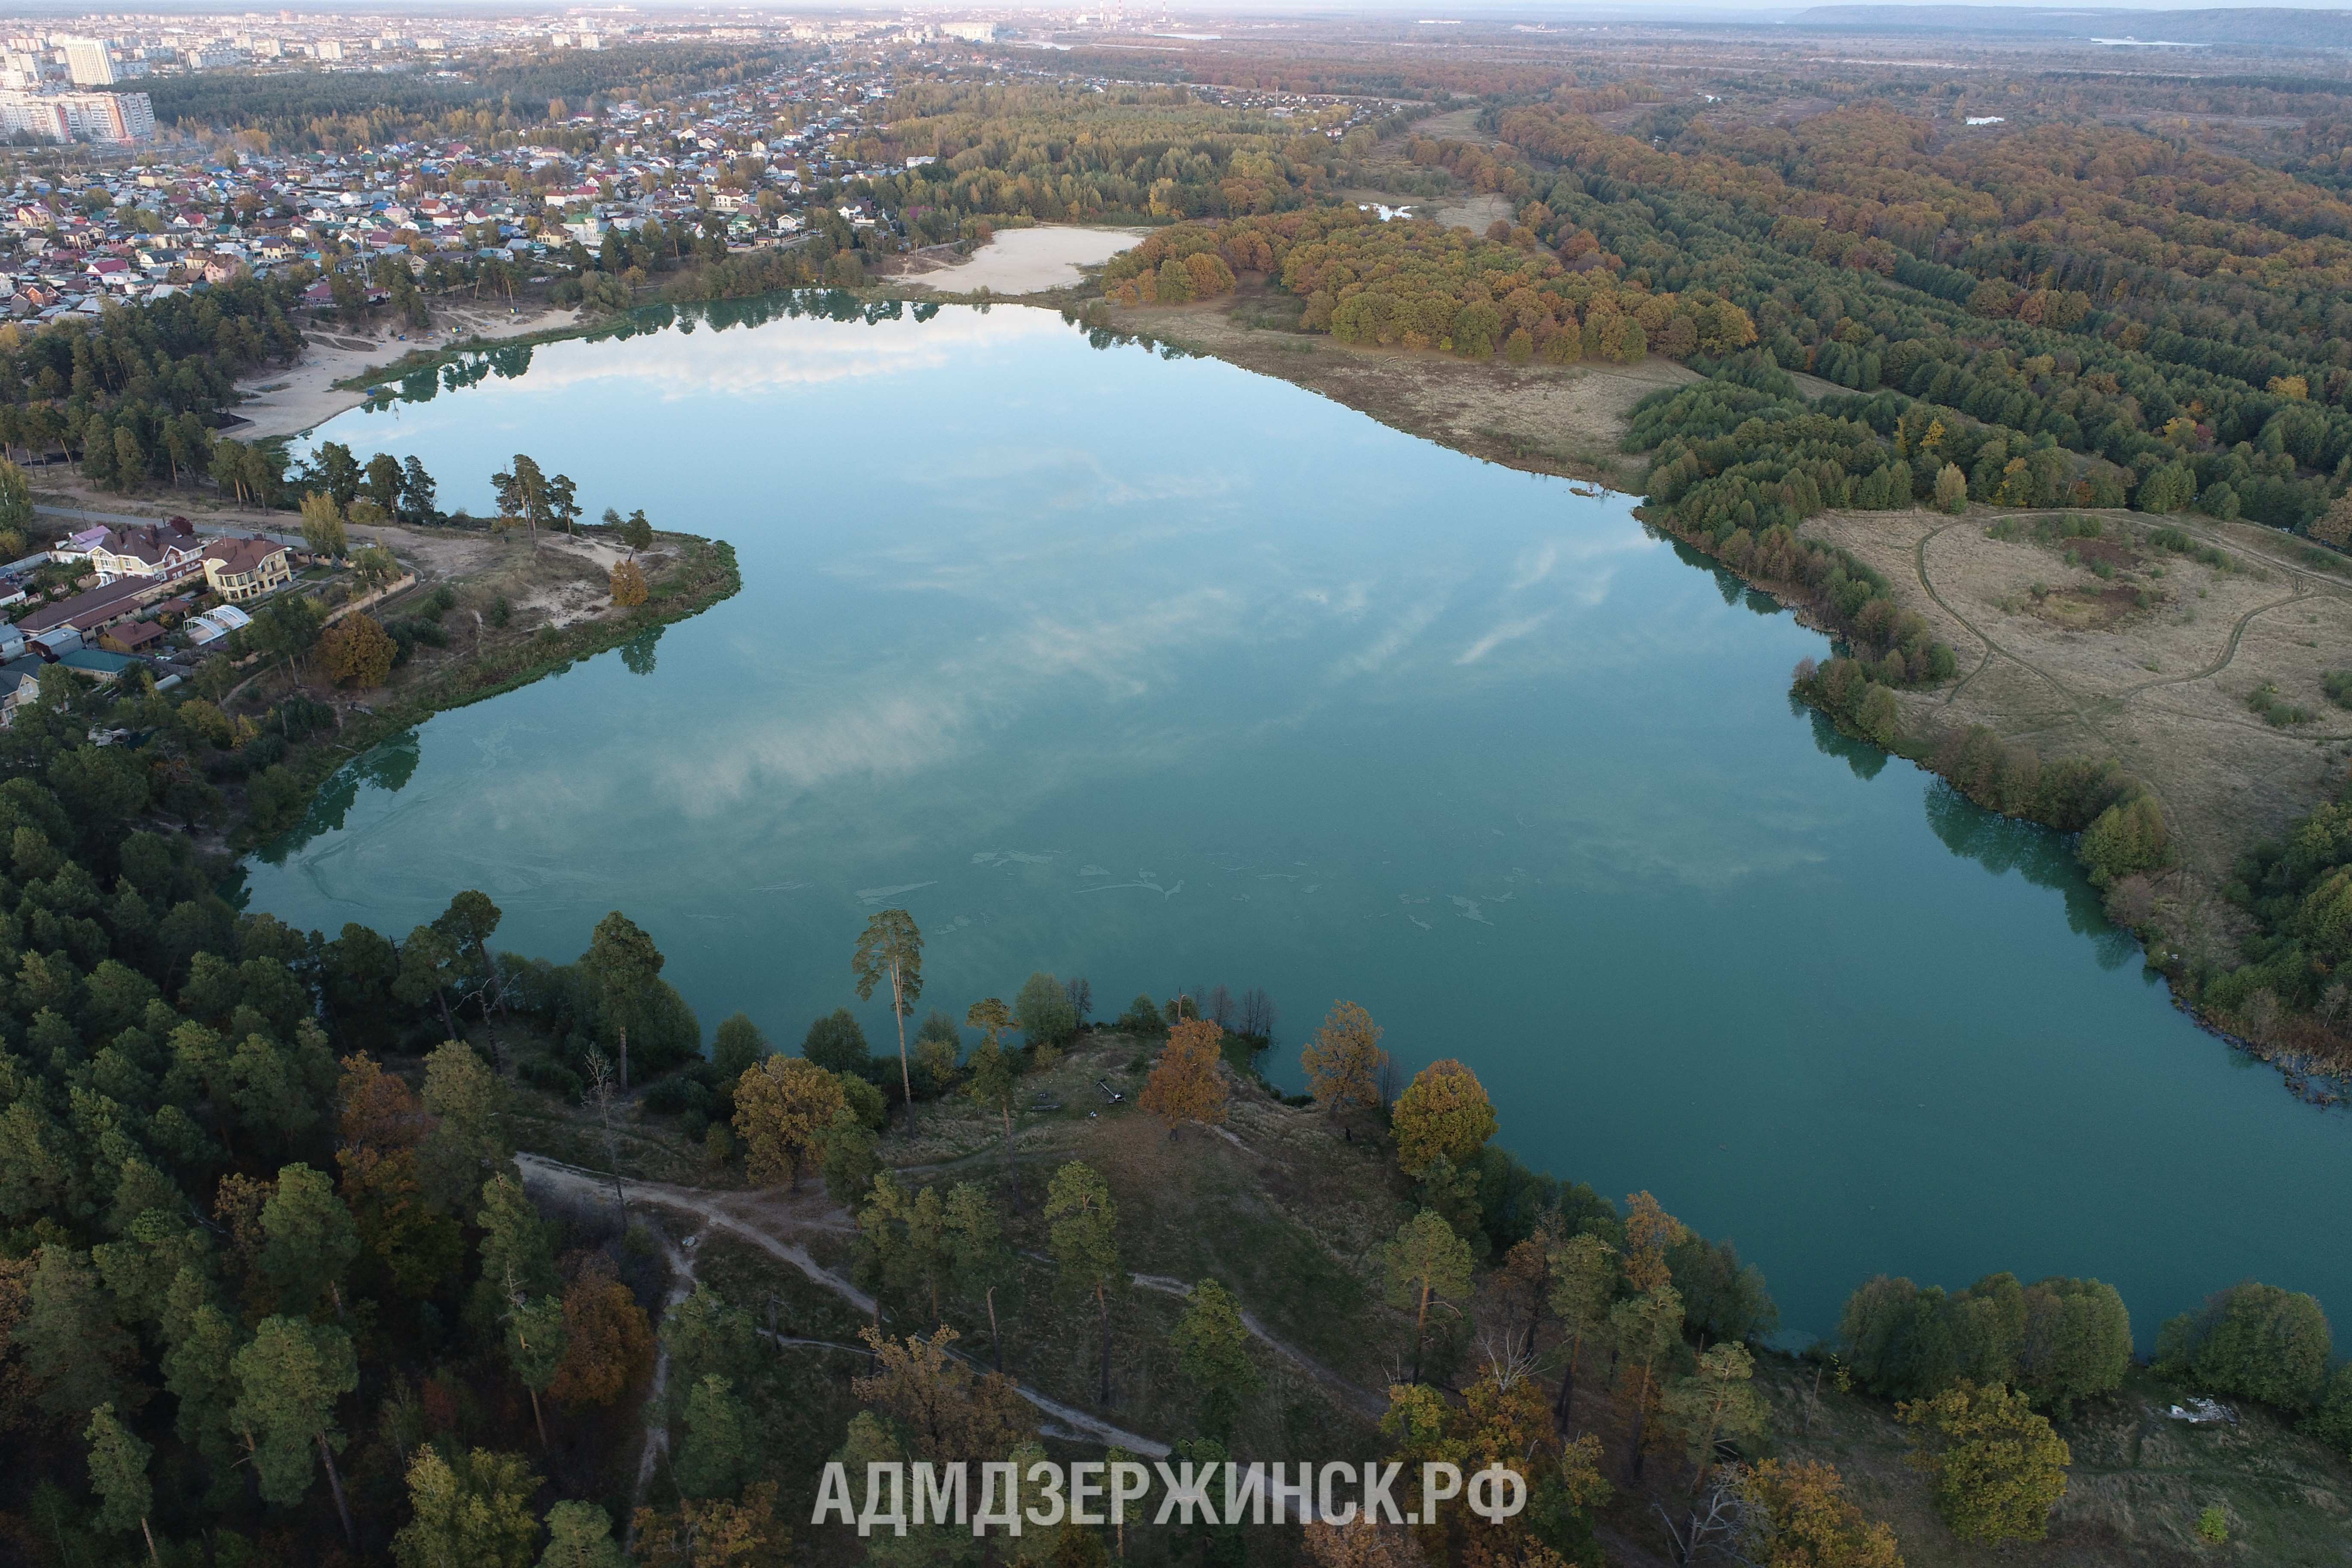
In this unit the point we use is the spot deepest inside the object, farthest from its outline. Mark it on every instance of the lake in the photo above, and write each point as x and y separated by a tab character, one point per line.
1153	672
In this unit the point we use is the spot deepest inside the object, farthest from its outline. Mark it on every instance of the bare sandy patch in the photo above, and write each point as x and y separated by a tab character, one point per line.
570	577
1561	419
286	400
1474	213
2151	665
1031	261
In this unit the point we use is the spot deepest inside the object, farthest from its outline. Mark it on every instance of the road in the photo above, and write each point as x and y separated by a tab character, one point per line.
210	529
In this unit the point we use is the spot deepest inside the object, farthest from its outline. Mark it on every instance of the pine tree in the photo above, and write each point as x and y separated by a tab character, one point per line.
1424	1263
1083	1224
1211	1346
117	1474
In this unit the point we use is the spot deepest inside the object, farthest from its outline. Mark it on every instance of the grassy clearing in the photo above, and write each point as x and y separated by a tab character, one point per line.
2136	1487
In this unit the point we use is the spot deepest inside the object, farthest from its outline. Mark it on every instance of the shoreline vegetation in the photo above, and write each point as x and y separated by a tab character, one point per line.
696	574
2231	918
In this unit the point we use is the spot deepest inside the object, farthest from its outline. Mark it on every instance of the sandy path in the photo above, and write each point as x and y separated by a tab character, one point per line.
1362	1399
1030	260
780	1212
656	1435
305	394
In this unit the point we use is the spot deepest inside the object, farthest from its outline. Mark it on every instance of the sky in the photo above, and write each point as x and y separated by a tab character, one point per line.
1500	10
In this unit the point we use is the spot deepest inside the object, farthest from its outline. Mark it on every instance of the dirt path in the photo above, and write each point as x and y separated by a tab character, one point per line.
767	1213
2237	636
656	1434
1362	1400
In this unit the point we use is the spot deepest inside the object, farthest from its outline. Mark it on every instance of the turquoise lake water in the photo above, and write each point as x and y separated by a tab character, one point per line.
1160	673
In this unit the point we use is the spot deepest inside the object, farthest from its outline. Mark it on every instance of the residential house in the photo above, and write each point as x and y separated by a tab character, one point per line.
160	553
131	636
241	569
96	665
20	682
78	546
87	610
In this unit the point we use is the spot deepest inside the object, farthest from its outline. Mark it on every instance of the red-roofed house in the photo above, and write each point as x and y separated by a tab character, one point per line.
246	568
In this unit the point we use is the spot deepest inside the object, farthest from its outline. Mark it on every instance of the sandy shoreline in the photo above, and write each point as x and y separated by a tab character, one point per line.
288	400
304	395
1029	260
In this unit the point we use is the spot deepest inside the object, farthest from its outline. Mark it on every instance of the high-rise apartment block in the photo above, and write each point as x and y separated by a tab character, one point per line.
89	61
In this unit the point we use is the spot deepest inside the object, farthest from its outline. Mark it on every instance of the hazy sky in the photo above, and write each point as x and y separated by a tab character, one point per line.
1481	10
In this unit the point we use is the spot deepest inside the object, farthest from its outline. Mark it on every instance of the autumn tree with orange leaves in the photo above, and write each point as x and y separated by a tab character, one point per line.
1188	1083
783	1109
357	651
1344	1061
1804	1518
608	1344
380	1122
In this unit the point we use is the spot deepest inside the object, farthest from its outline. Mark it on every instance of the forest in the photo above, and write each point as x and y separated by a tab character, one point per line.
1417	284
311	111
2170	333
1059	154
138	394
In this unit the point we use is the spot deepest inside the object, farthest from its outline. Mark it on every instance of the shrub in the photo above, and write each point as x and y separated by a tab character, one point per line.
357	651
2254	1341
677	1093
2129	835
1142	1018
2276	711
1997	1467
628	584
548	1074
2331	1423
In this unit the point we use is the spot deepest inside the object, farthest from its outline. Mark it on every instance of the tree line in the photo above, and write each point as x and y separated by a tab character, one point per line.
1417	284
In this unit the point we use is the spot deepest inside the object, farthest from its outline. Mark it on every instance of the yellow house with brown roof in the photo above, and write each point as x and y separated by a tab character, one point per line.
240	569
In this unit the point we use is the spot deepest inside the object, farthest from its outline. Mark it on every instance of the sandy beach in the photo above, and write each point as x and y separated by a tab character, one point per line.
292	399
1030	260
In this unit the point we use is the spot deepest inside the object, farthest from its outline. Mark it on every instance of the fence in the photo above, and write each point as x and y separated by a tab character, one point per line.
400	584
